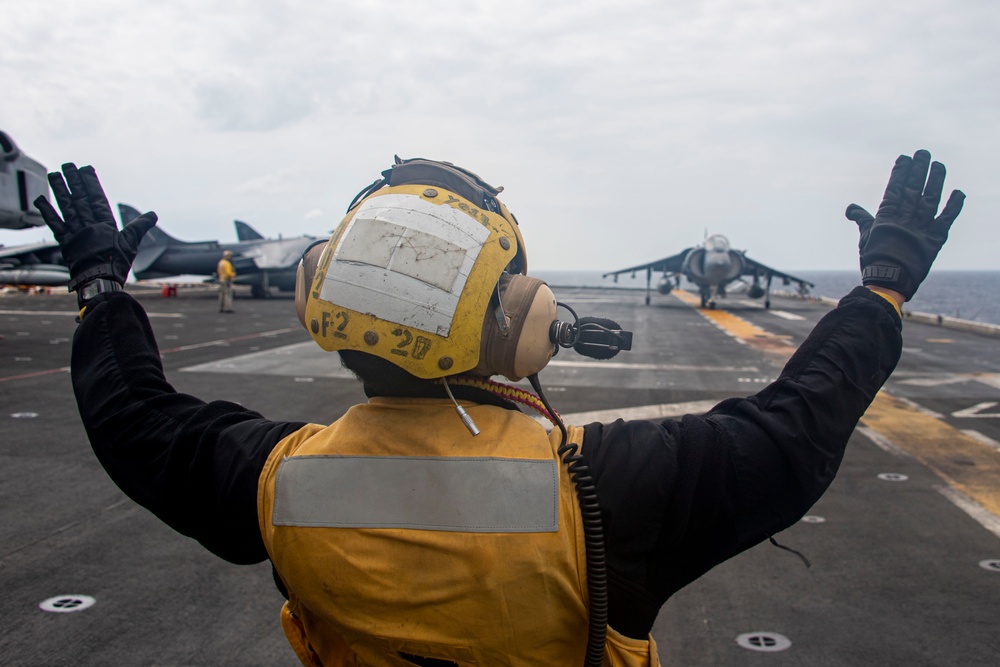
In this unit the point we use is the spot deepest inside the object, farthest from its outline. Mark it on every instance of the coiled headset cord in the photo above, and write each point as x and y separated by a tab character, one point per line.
593	535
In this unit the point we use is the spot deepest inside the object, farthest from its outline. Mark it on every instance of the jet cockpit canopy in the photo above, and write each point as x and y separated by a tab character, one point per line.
717	243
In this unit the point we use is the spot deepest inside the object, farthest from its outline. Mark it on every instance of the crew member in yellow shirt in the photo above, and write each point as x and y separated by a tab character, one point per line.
226	274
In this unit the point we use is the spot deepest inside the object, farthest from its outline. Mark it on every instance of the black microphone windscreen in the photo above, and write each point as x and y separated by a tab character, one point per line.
600	338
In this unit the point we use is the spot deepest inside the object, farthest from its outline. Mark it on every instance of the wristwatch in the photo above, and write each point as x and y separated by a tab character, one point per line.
92	288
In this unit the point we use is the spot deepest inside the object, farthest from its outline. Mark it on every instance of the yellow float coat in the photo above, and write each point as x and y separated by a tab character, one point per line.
460	582
224	269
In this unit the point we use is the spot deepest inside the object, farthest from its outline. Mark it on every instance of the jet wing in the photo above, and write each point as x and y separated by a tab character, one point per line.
272	255
753	267
31	251
33	264
145	258
670	264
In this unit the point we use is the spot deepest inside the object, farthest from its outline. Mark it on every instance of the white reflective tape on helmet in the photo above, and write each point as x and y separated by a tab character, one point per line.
405	260
407	276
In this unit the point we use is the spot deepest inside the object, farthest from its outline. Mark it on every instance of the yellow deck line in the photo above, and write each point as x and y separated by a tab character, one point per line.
963	462
738	328
960	460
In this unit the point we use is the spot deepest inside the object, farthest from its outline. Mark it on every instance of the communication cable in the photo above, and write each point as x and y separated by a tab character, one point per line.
593	535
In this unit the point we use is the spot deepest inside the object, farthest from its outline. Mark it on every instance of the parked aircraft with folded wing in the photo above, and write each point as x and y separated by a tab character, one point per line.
33	264
260	263
22	180
712	266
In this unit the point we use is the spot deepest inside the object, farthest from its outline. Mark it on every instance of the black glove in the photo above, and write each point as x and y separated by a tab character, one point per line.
87	233
900	243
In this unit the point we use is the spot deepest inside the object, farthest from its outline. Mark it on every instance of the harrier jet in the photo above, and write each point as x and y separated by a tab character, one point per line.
712	266
260	263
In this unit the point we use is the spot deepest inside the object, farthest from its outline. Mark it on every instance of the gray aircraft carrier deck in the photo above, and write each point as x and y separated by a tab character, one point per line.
905	547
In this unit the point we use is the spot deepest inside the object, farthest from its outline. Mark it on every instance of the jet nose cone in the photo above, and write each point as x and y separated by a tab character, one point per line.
716	265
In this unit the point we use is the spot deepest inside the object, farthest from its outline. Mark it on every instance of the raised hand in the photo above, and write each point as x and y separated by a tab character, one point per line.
899	244
87	234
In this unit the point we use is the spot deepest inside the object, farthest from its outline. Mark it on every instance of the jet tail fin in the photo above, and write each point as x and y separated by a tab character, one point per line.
155	236
245	232
127	213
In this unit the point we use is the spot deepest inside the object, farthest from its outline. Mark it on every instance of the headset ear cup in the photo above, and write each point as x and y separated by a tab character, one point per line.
301	292
304	275
530	309
534	347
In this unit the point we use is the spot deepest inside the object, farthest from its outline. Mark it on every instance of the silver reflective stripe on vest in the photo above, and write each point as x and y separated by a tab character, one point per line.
472	495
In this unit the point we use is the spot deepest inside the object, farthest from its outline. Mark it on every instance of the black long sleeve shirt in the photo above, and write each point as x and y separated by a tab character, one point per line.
677	496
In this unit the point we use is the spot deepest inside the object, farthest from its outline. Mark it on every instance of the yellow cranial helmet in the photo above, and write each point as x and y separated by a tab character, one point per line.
427	271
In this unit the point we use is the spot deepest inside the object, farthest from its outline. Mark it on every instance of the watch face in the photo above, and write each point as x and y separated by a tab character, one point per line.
97	286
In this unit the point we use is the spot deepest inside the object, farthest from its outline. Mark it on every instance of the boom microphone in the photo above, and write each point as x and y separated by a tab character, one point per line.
594	337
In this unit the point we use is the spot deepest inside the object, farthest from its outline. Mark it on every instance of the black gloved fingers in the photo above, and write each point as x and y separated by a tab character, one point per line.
96	198
65	200
135	230
78	191
931	198
952	208
858	214
51	218
864	221
894	188
914	190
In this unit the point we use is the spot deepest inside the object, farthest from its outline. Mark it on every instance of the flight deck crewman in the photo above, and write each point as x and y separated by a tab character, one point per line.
404	533
226	274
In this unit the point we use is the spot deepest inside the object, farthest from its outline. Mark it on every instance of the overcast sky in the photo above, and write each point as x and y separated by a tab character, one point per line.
621	130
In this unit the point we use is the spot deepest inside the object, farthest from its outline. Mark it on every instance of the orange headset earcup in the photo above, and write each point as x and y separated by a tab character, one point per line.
525	348
534	346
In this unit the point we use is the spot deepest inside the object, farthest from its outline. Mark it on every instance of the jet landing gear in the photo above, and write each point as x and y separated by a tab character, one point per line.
708	296
261	290
756	291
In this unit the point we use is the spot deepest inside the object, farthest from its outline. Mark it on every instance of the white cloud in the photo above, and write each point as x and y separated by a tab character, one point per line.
275	183
760	119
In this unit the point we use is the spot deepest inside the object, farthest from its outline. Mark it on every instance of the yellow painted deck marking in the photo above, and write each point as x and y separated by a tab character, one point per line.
965	463
740	329
960	460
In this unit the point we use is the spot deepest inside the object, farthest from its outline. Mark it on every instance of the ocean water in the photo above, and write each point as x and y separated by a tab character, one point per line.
967	295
